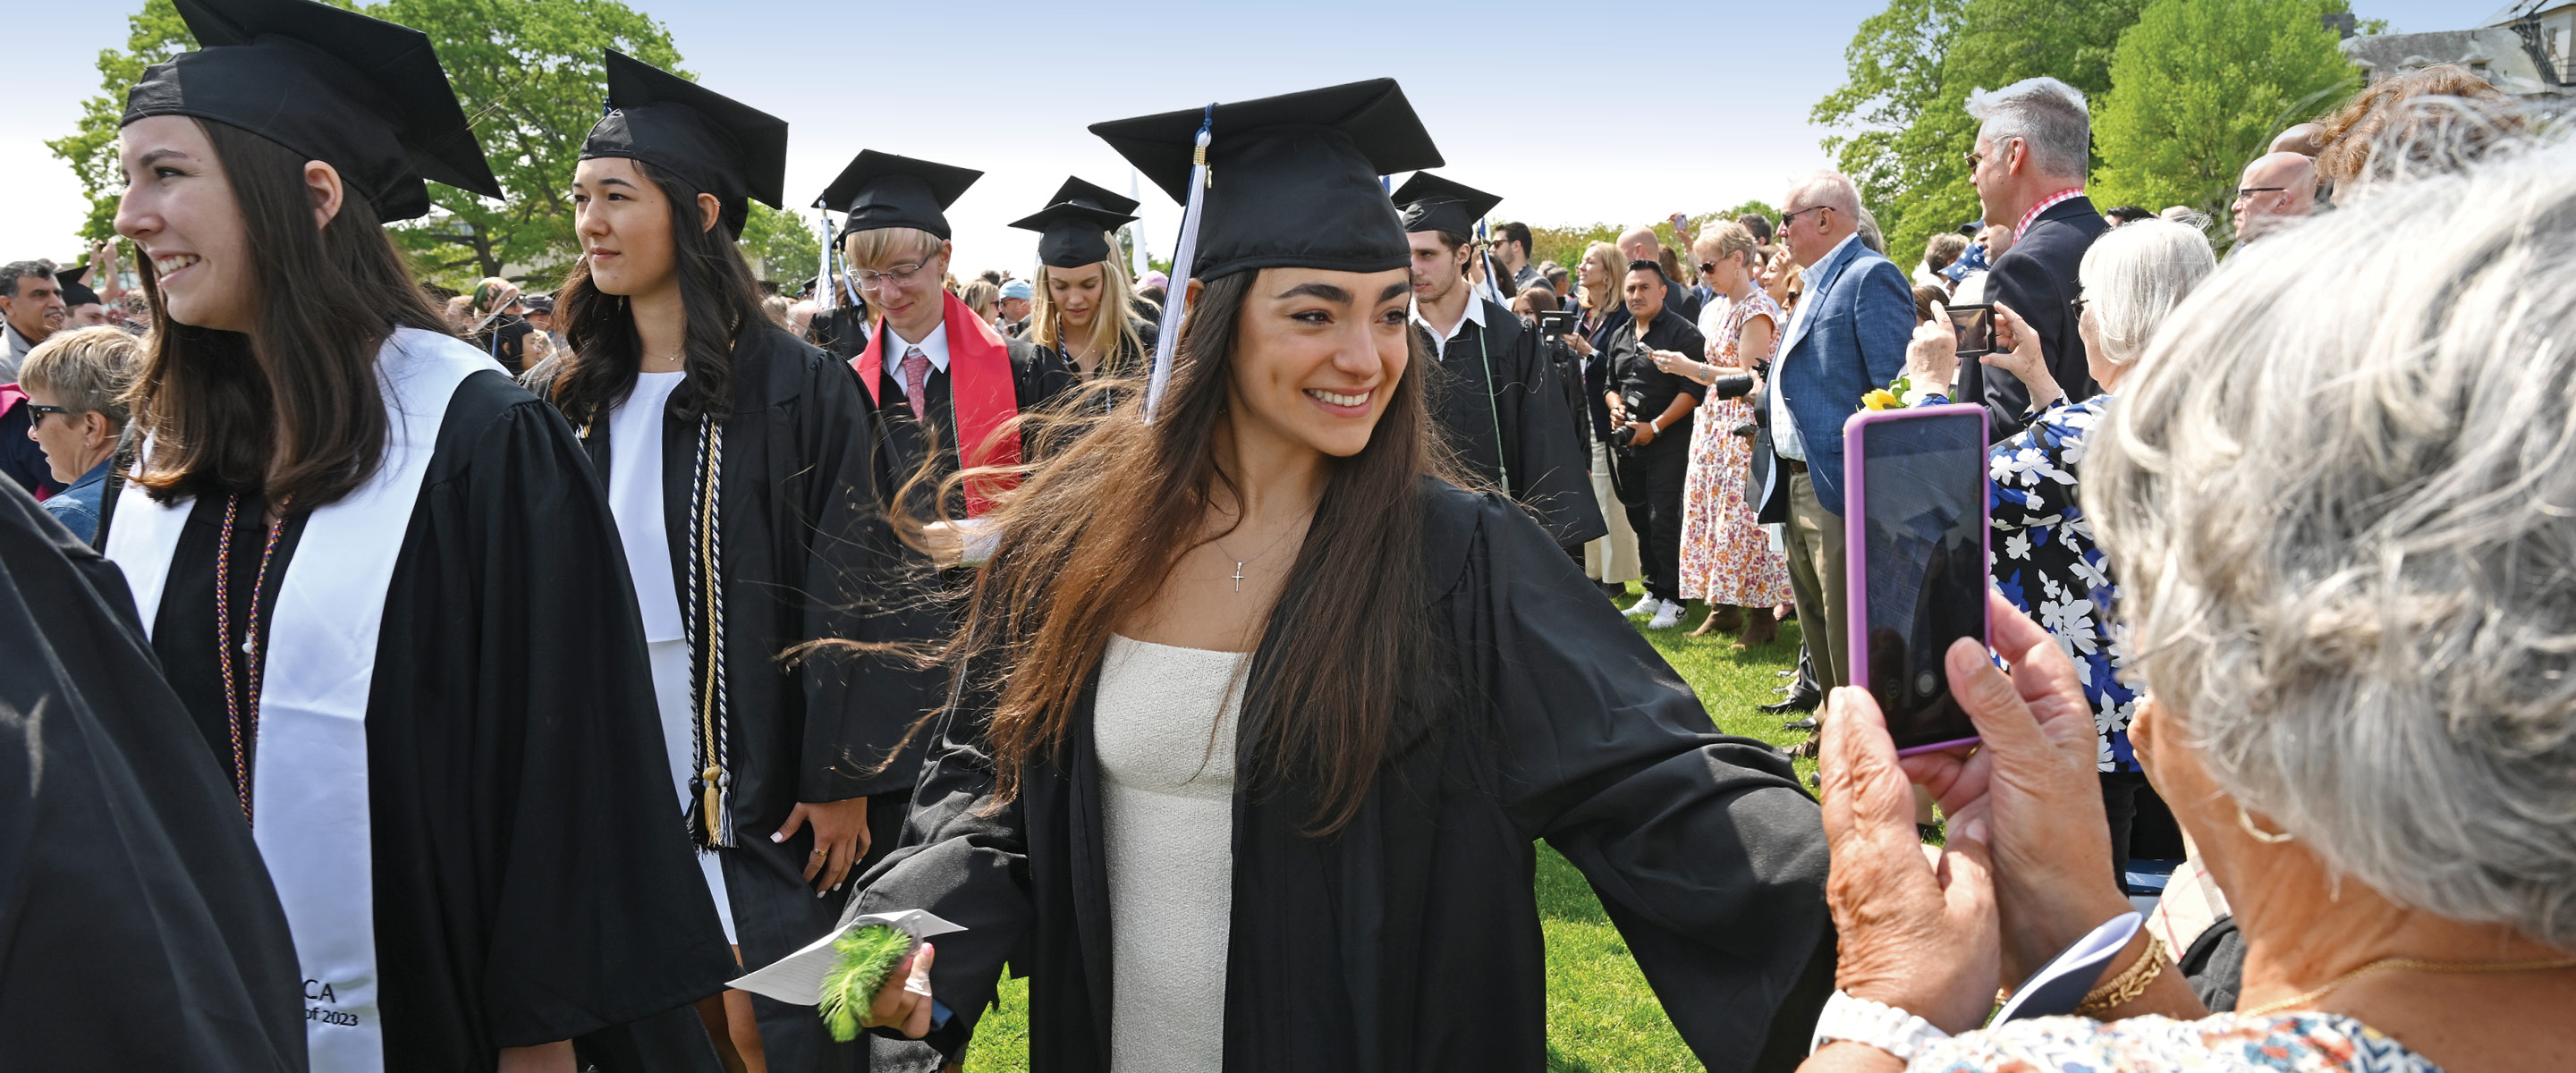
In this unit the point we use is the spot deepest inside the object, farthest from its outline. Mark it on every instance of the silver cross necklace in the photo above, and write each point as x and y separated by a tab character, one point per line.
1238	563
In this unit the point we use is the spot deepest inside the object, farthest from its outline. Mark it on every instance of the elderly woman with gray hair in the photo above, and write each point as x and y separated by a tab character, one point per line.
2340	492
76	382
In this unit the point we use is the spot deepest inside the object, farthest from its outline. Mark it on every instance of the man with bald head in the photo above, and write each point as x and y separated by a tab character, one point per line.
1847	336
2278	188
1640	244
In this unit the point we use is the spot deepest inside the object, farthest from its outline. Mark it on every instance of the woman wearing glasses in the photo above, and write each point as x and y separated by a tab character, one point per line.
946	388
737	465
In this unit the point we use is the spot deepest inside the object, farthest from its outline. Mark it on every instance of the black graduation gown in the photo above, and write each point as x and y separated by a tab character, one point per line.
1410	940
1037	376
1134	365
138	929
531	883
1501	410
841	330
804	543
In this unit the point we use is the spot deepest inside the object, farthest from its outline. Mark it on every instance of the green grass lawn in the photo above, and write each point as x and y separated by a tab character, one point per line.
1600	1013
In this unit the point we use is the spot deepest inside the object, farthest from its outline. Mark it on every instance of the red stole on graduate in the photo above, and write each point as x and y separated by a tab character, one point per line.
981	394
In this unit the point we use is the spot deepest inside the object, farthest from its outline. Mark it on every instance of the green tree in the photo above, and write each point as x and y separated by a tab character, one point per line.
782	243
1911	68
2200	87
528	73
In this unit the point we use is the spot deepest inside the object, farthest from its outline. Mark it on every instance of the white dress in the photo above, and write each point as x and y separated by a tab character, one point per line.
1163	727
635	497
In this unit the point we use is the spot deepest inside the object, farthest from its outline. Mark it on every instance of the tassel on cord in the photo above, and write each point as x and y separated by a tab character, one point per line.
1167	337
713	826
825	298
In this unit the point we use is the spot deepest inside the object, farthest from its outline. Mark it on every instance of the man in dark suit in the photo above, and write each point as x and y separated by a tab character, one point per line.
1847	336
2029	166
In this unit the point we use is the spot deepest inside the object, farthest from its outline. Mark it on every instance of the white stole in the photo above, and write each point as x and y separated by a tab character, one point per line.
309	774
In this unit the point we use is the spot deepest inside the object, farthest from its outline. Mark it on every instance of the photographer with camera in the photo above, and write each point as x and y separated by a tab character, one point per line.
1650	432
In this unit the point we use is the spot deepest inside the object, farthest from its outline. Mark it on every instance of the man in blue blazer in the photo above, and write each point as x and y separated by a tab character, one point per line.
1847	336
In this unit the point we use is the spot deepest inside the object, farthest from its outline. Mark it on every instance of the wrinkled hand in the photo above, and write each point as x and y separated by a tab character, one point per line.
2032	783
1916	923
2017	351
903	1001
1932	355
840	839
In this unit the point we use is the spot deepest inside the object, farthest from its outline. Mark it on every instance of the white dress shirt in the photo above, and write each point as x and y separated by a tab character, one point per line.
1440	343
933	346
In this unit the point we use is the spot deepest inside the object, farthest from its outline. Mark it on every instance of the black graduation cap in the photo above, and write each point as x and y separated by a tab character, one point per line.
1292	179
363	95
719	145
1075	224
1092	195
75	293
882	190
1431	203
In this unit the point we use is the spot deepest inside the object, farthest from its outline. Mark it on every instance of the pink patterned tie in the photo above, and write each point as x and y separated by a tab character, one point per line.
916	372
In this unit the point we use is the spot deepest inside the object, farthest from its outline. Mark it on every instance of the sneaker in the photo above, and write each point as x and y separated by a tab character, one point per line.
1666	617
1645	606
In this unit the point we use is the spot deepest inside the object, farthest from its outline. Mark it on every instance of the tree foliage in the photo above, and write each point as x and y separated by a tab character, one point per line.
2200	87
1910	69
781	245
528	73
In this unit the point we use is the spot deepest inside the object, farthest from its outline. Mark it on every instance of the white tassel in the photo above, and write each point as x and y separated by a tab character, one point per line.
1167	336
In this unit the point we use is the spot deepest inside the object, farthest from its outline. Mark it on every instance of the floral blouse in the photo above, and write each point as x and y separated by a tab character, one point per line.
2296	1042
2044	560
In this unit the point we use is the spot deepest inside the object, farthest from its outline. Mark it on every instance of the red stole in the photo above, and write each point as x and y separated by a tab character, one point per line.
981	395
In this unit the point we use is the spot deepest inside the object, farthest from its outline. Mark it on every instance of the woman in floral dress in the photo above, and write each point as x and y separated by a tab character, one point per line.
1726	558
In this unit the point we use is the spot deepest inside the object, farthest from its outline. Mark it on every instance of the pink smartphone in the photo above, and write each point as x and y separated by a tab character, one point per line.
1914	536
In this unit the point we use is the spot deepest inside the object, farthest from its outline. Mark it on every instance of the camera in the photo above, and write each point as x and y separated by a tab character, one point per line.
1731	386
1626	434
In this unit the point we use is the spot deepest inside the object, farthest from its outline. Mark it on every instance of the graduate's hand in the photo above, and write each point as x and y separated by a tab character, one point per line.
903	1001
840	839
1916	922
2032	782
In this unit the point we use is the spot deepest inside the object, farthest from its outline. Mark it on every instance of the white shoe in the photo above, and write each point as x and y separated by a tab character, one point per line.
1666	617
1645	607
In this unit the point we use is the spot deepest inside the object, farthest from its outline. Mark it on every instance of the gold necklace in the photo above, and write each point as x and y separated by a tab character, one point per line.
2416	964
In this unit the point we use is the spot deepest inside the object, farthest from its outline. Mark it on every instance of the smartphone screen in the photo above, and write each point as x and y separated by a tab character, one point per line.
1919	556
1975	326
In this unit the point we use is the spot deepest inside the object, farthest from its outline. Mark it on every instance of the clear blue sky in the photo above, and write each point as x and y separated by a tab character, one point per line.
1529	101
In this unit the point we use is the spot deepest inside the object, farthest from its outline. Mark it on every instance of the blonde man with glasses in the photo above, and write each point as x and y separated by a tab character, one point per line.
946	386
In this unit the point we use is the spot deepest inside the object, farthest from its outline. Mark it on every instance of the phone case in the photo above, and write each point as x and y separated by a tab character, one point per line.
1856	550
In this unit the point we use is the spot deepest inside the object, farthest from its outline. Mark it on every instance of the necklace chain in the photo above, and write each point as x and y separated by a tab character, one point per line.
2417	964
241	701
1265	549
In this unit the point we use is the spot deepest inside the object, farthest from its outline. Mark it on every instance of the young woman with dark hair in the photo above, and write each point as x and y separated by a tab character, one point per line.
737	464
1259	716
378	574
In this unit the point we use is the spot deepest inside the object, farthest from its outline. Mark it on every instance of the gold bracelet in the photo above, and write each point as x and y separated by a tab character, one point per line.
2126	987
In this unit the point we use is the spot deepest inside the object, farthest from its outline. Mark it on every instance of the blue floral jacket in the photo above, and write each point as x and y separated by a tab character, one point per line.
2044	560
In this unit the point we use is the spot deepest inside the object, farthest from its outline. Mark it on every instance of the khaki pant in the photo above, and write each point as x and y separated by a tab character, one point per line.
1815	539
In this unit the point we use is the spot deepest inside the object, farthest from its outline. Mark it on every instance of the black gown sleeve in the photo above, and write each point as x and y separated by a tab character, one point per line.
969	868
1543	450
858	704
552	891
1705	851
138	928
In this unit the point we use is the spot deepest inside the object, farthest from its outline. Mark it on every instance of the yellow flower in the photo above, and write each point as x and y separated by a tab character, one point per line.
1881	400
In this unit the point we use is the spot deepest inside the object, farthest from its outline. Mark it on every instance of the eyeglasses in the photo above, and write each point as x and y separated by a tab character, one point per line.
39	412
901	275
2244	192
1790	219
2076	304
1707	268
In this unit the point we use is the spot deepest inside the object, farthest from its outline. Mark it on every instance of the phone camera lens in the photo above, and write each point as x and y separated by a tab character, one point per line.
1925	683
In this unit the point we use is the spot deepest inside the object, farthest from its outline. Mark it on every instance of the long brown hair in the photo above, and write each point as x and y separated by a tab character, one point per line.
1098	528
717	292
290	409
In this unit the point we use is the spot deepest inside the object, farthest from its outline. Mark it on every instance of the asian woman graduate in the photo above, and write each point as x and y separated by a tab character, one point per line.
380	576
1260	716
737	462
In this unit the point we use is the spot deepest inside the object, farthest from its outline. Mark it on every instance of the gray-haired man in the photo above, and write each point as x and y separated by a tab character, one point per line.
2033	146
31	308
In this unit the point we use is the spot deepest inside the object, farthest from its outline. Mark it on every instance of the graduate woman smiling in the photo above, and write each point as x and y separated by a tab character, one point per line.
737	463
1262	715
380	576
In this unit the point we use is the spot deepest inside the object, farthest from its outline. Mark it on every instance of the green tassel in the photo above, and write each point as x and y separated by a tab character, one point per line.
866	956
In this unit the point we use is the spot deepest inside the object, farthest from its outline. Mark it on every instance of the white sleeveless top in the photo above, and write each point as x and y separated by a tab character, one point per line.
1163	728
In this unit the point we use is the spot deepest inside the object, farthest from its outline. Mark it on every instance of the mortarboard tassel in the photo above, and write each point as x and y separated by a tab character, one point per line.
1167	336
